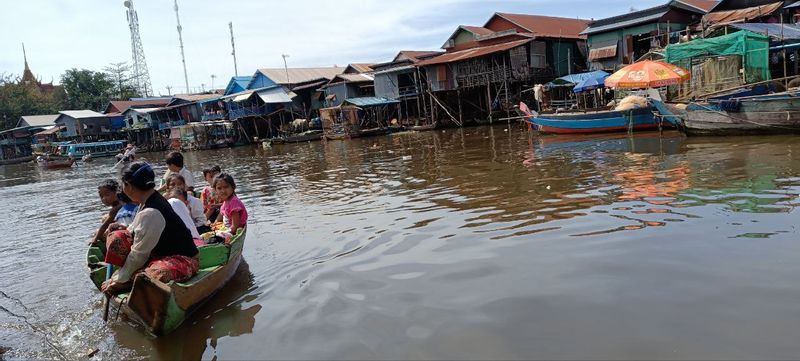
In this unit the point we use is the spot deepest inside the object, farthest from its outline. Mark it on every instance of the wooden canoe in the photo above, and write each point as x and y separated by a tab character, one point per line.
56	164
162	307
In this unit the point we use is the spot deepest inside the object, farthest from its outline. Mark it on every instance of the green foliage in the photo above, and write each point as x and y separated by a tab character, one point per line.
18	99
87	89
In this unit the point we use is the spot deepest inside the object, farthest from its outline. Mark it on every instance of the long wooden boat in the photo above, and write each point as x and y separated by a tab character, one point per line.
55	164
162	307
96	149
605	121
765	114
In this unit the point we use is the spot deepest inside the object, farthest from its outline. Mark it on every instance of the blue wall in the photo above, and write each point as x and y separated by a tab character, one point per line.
260	81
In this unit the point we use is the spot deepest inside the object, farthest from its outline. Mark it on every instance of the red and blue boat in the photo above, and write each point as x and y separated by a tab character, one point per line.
589	122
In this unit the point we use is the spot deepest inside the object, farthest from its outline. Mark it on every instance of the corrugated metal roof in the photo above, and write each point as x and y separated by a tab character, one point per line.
478	30
415	56
774	31
353	78
120	106
396	69
275	96
314	85
625	23
361	67
721	17
81	114
300	75
370	101
472	53
196	97
547	26
38	120
704	5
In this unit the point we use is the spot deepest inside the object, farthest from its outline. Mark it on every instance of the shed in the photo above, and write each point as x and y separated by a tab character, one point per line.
84	124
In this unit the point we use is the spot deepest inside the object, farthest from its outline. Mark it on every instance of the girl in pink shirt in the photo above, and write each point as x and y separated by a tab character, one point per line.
232	213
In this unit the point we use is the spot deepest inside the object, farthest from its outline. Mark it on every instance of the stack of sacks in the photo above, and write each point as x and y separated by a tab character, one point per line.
631	102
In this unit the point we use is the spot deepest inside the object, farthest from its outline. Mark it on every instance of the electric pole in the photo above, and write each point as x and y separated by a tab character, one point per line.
180	40
233	52
286	67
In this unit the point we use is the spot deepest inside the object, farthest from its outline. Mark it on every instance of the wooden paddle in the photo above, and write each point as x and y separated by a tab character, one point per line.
109	269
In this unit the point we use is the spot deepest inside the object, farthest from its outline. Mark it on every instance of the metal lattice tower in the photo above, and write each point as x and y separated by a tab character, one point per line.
141	76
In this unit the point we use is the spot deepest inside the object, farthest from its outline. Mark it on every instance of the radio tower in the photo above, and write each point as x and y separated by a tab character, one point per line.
141	76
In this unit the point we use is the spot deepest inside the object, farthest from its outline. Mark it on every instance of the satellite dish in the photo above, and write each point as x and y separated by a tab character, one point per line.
127	4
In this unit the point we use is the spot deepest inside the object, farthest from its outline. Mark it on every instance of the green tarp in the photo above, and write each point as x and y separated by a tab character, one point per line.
753	47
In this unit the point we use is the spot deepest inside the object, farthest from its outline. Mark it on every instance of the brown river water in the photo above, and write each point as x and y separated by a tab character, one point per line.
474	243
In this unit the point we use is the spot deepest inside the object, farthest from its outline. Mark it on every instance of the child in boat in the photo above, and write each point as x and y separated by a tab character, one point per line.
174	162
232	213
127	212
176	198
109	195
210	203
195	205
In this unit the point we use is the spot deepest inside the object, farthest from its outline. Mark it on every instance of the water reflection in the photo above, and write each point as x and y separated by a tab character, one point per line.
485	242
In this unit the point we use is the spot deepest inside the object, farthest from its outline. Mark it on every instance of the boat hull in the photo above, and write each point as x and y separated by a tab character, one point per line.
595	122
758	115
160	307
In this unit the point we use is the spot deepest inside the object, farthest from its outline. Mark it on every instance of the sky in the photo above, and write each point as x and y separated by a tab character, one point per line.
90	34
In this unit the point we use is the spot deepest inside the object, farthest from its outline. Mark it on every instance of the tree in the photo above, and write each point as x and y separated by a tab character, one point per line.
18	99
124	86
87	89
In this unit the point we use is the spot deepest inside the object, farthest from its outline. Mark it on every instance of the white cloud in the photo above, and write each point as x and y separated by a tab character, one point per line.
93	33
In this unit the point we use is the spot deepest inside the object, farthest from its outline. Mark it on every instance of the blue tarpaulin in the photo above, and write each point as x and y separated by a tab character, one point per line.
576	78
596	80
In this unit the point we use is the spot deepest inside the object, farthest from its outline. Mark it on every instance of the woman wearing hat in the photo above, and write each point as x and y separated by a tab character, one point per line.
156	243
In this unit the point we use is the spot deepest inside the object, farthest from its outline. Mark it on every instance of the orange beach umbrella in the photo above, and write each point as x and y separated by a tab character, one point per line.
647	74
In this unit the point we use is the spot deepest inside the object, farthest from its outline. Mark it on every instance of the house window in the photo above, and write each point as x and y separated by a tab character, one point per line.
538	54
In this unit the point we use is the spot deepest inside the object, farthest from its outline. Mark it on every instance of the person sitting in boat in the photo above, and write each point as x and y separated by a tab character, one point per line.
232	213
127	213
194	205
176	197
210	203
108	191
156	243
174	162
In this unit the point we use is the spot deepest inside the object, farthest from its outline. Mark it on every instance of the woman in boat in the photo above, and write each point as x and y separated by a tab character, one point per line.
157	243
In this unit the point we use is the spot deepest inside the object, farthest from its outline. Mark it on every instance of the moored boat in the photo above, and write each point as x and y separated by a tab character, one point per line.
162	307
764	114
604	121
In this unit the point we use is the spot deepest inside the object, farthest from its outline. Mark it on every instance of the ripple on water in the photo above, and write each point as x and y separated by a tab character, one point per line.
484	243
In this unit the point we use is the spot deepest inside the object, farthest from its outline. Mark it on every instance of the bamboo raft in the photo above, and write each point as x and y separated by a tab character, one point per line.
162	307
